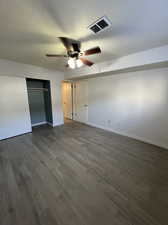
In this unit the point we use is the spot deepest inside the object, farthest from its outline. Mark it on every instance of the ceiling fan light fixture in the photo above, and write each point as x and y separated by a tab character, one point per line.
71	63
79	63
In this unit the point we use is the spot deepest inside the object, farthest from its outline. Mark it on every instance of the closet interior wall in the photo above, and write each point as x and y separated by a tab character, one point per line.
39	95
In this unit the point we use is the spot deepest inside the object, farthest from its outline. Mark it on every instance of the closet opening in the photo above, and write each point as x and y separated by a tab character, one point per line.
39	96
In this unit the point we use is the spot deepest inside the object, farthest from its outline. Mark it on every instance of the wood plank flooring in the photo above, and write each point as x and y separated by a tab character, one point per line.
79	175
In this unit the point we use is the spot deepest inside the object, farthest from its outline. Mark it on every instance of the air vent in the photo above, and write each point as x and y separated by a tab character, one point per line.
100	25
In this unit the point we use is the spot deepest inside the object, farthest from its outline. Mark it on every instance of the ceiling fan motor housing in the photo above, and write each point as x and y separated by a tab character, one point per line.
74	54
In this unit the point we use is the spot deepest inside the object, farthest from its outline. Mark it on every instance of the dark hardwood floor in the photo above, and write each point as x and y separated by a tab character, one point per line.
80	175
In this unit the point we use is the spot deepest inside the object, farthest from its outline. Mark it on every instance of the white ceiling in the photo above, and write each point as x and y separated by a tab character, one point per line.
29	28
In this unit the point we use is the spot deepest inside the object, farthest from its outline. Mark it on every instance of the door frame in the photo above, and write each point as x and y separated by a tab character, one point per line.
75	101
64	90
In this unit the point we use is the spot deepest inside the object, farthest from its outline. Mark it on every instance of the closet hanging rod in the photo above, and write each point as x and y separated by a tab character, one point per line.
38	89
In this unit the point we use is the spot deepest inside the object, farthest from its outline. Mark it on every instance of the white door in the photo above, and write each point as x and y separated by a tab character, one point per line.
81	101
67	100
14	108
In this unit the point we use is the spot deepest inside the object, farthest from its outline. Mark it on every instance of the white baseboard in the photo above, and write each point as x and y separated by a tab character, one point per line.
58	124
50	124
38	124
9	137
162	145
45	122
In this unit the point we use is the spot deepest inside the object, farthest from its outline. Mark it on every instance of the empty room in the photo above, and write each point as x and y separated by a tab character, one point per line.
83	112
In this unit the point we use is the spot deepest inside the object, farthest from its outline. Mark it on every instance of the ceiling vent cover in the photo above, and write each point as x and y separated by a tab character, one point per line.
100	25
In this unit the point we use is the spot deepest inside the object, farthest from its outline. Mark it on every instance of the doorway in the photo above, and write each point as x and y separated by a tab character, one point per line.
67	96
75	101
39	96
81	101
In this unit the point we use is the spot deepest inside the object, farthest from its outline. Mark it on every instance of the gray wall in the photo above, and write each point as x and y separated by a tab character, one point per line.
133	104
14	108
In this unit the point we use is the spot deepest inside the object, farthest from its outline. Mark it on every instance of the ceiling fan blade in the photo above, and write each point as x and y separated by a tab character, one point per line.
66	42
54	55
76	46
86	62
92	51
71	43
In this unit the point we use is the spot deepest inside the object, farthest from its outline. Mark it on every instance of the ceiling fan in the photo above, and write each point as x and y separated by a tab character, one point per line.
74	53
